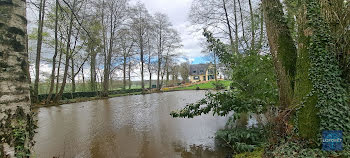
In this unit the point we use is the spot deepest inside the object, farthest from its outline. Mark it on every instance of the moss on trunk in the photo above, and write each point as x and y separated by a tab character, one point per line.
308	121
282	49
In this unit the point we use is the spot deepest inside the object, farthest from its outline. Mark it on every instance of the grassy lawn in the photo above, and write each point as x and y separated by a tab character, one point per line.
208	85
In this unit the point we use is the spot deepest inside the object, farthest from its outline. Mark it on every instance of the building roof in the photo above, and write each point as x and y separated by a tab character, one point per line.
198	69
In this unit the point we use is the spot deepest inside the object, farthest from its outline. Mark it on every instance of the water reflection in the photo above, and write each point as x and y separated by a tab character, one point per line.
131	126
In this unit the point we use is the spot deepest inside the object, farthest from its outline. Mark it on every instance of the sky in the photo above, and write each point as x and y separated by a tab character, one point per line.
178	11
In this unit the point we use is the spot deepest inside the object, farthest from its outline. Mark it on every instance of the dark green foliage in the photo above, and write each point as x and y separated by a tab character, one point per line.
289	57
242	139
253	87
300	149
18	130
332	111
254	77
218	85
219	48
325	75
220	103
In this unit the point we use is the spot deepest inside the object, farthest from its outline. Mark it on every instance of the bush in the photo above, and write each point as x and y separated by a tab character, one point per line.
218	85
300	148
242	139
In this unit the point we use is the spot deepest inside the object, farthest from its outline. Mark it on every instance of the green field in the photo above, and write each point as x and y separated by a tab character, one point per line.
85	87
206	86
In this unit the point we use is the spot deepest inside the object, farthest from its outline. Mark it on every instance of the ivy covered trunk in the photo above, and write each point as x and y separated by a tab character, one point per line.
307	119
15	114
282	49
325	74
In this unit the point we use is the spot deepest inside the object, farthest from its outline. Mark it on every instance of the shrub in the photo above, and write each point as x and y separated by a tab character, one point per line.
218	85
242	139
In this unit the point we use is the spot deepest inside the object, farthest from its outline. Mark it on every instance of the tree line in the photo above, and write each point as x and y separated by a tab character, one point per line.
108	36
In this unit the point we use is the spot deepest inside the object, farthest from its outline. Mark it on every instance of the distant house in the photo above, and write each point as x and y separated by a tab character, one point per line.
202	72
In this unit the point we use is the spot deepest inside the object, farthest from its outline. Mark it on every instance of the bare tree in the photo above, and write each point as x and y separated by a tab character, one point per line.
184	71
38	49
167	40
140	27
115	16
126	43
52	77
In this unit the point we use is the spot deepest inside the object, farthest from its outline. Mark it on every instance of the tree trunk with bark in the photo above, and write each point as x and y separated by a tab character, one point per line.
308	121
68	56
73	75
129	73
124	71
38	49
93	86
52	77
282	49
108	60
228	26
15	104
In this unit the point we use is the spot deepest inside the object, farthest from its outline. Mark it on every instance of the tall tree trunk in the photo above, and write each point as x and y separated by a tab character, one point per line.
167	74
73	75
252	25
83	77
129	73
58	68
236	27
108	60
228	26
261	38
150	71
149	64
142	64
52	78
15	111
282	48
124	71
160	57
215	69
38	49
68	55
242	22
93	70
308	121
159	71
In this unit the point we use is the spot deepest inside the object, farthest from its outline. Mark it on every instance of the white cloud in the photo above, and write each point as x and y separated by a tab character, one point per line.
178	12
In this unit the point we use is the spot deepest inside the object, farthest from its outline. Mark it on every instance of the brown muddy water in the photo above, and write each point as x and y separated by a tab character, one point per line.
128	127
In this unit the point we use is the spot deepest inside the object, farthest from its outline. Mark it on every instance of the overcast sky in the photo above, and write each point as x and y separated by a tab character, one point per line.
178	11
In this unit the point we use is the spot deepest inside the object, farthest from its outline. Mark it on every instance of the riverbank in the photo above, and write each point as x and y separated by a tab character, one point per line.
198	86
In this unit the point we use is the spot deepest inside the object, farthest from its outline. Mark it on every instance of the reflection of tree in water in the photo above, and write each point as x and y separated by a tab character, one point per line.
200	151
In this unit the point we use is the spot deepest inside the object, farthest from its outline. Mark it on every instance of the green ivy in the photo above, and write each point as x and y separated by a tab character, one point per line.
325	75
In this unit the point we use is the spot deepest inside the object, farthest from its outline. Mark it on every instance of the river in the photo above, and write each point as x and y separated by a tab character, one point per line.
128	127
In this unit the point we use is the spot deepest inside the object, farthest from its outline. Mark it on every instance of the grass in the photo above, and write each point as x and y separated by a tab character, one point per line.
202	86
255	154
205	86
85	87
